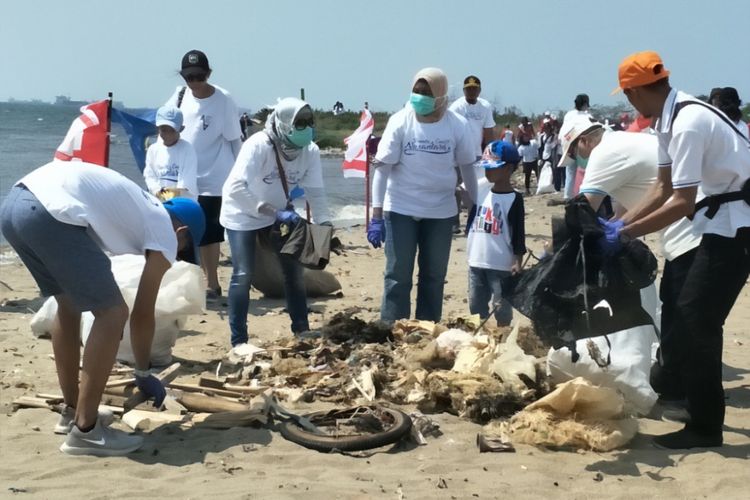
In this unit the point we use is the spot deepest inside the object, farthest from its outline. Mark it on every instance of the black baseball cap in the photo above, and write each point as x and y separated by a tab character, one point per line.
194	62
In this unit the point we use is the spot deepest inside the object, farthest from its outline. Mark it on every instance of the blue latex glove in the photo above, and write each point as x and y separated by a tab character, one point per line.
610	242
470	219
288	216
296	192
376	232
151	387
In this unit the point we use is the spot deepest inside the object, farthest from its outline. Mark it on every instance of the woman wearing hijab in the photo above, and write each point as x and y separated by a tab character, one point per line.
254	200
413	195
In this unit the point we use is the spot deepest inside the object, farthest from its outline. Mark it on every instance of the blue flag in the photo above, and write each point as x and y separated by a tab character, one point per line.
139	129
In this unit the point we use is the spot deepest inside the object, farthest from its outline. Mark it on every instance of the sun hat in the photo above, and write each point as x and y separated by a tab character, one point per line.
580	127
641	68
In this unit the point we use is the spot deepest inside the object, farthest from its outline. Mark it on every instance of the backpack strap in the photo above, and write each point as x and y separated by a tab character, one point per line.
181	96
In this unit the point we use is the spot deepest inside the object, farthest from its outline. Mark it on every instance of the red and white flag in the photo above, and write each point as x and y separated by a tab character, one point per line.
88	137
355	158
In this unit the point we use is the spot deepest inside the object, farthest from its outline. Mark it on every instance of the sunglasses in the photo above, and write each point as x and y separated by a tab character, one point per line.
196	78
303	123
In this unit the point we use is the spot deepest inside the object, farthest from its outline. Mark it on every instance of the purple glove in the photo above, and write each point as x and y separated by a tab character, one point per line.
376	232
610	243
151	387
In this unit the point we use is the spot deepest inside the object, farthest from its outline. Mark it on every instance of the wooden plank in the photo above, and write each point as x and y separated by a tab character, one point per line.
120	382
40	402
245	389
146	420
205	390
165	377
212	382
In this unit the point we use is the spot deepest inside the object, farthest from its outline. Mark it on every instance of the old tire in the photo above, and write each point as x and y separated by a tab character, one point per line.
400	424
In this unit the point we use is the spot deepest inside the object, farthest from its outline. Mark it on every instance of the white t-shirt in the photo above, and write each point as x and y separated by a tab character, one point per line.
742	127
550	146
479	117
623	166
529	152
489	241
254	179
120	216
422	181
211	124
705	151
171	167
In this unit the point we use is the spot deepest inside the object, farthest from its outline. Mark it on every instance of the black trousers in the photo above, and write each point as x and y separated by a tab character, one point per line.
528	167
719	271
672	344
558	177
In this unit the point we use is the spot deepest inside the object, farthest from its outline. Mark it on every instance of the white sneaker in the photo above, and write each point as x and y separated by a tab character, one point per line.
243	353
101	441
68	414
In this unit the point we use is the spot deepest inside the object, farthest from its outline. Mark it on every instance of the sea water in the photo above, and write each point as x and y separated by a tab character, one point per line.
30	134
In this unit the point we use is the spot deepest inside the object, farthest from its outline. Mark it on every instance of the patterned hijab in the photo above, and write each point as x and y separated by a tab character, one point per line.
281	122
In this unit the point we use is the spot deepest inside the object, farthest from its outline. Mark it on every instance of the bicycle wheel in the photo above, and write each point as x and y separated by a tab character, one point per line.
394	425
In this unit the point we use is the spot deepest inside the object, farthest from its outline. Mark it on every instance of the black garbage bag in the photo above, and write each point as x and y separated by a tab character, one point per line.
561	293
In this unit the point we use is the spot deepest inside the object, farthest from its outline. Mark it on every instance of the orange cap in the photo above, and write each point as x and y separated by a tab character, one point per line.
641	68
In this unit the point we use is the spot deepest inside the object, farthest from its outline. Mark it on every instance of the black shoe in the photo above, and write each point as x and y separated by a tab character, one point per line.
686	439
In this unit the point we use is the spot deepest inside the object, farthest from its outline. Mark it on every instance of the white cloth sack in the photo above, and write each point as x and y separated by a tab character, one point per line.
628	372
545	184
181	293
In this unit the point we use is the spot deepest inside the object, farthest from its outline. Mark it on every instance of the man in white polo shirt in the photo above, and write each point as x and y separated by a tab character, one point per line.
623	166
480	127
698	146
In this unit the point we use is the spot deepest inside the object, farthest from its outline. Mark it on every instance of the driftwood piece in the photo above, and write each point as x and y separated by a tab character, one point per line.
147	420
210	404
44	403
205	390
212	381
228	419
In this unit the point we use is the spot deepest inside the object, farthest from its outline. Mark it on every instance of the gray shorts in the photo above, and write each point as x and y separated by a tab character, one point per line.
62	258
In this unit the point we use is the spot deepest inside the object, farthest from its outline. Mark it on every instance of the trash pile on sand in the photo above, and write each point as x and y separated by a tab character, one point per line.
480	376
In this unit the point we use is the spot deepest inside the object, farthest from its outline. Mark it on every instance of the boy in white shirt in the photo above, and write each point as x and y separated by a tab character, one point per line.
496	235
171	163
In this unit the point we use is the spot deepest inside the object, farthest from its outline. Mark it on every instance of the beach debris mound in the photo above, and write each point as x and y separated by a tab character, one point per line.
479	376
576	414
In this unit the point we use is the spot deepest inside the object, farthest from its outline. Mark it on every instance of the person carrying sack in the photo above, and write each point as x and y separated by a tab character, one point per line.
274	167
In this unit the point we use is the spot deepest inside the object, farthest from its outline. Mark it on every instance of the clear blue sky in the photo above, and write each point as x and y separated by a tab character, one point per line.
536	55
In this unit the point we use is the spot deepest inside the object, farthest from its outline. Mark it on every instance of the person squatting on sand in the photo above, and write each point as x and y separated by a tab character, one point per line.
698	146
413	196
497	235
255	198
211	126
60	219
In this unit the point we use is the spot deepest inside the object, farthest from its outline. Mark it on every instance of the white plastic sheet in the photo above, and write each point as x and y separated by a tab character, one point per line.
181	293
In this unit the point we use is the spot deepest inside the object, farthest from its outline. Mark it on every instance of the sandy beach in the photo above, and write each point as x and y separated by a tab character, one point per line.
259	463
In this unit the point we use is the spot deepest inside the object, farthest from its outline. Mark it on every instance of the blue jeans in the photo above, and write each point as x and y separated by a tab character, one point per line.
242	245
404	235
486	285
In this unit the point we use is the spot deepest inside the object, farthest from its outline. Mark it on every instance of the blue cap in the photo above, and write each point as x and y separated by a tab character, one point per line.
498	153
191	214
169	115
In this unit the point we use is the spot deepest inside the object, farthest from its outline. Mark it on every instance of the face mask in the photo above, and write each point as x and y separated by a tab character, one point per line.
581	161
301	138
422	104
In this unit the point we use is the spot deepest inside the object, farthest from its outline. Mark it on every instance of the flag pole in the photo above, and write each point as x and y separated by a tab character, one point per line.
367	183
109	128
